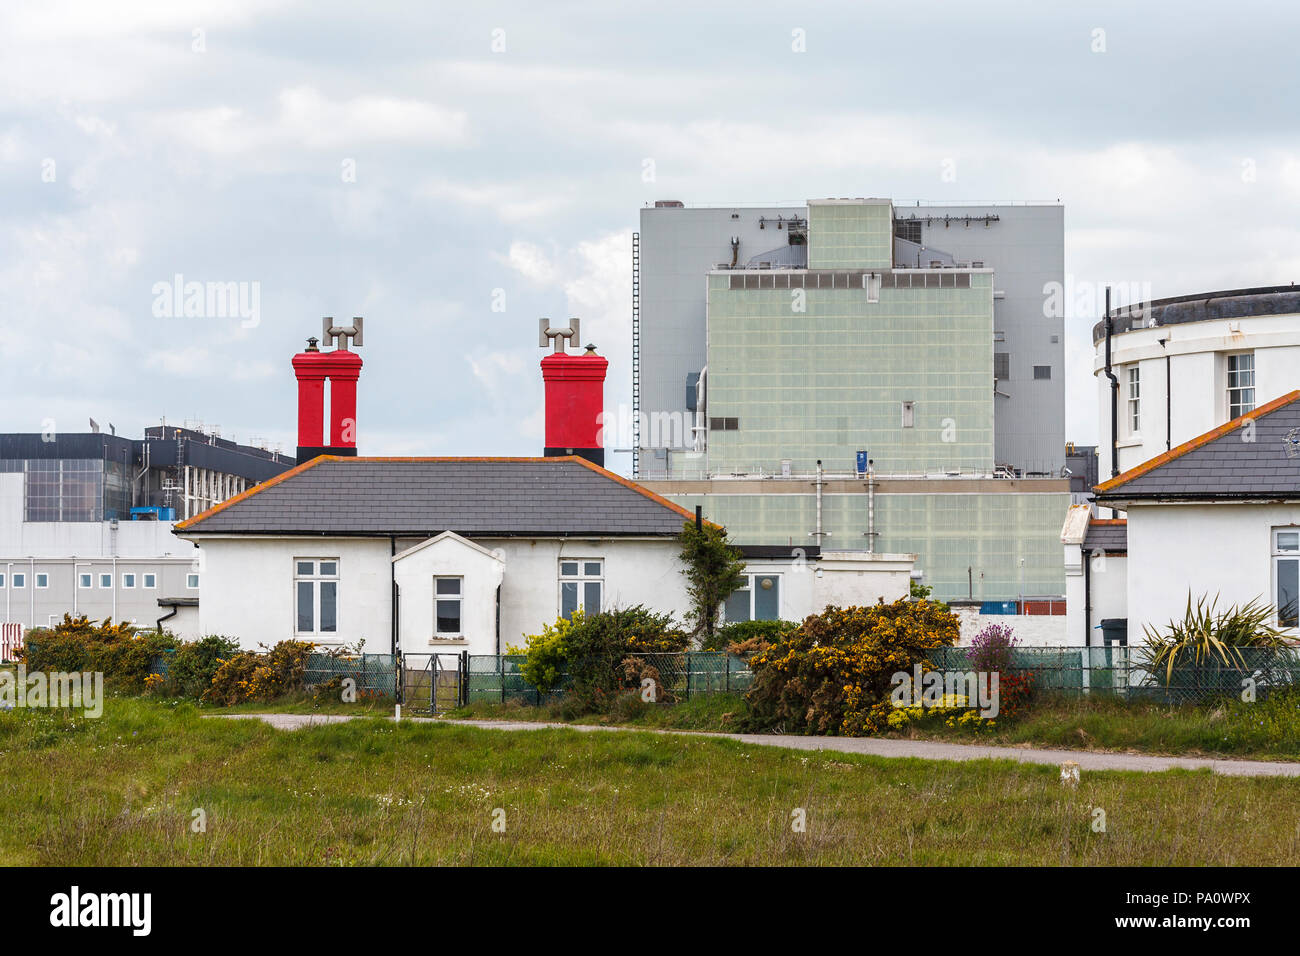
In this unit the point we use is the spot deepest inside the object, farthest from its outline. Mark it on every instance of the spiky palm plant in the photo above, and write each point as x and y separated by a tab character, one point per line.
1208	637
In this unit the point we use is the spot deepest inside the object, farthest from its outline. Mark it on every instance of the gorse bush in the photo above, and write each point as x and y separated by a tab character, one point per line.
831	675
123	655
259	675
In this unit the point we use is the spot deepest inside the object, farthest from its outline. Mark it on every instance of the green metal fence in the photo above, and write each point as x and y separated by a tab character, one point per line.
1127	672
498	677
373	673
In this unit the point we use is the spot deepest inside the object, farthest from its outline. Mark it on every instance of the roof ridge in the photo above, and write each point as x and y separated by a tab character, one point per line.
1151	464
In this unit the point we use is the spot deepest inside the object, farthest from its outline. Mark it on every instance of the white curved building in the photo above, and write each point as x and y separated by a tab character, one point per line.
1187	364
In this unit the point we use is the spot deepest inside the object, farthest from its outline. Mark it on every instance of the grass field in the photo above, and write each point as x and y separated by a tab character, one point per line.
122	790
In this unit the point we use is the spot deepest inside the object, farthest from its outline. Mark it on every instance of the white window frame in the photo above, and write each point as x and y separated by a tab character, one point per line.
751	585
109	576
192	580
46	576
316	577
581	579
1278	555
1242	406
149	580
18	580
129	574
4	581
85	580
458	597
1133	399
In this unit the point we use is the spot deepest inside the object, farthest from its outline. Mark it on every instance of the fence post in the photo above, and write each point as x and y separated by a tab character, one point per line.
726	670
501	676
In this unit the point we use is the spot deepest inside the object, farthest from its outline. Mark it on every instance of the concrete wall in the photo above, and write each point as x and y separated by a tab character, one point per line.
1031	630
1198	379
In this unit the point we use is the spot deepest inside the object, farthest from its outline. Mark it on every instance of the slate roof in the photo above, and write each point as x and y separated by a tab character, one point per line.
1107	535
486	497
1254	457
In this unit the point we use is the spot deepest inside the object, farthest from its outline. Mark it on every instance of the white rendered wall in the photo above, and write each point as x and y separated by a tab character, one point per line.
1204	549
1198	367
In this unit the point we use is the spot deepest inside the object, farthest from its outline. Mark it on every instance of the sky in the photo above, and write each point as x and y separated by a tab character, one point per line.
453	172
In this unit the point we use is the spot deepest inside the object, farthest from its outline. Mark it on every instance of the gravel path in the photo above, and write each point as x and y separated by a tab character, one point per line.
916	749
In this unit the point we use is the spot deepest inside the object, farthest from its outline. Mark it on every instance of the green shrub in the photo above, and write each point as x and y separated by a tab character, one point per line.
547	654
193	665
742	633
831	675
602	654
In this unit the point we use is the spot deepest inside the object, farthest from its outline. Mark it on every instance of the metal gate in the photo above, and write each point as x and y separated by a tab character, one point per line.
433	683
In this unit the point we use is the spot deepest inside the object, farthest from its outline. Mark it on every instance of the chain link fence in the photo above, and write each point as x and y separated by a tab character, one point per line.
1126	672
499	677
375	674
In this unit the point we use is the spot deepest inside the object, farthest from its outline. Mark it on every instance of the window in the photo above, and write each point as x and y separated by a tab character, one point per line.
1241	384
758	600
724	424
106	580
150	581
42	580
18	580
316	595
447	600
1002	366
191	581
1134	400
582	583
909	414
85	581
1286	575
1042	371
2	580
128	580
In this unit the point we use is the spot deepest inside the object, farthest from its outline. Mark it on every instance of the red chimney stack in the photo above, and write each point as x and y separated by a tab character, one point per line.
342	368
575	395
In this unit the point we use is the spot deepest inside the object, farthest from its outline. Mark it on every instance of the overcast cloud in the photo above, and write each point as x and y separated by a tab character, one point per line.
220	140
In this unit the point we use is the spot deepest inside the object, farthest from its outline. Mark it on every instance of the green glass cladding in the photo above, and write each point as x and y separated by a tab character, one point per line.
848	235
967	544
832	379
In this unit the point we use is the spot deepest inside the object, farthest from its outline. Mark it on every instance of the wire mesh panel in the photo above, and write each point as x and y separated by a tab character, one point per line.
374	674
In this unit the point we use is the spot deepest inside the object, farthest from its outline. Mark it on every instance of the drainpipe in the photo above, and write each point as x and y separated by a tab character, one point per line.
871	508
1087	596
1114	395
818	485
31	586
392	591
1169	407
9	586
176	609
